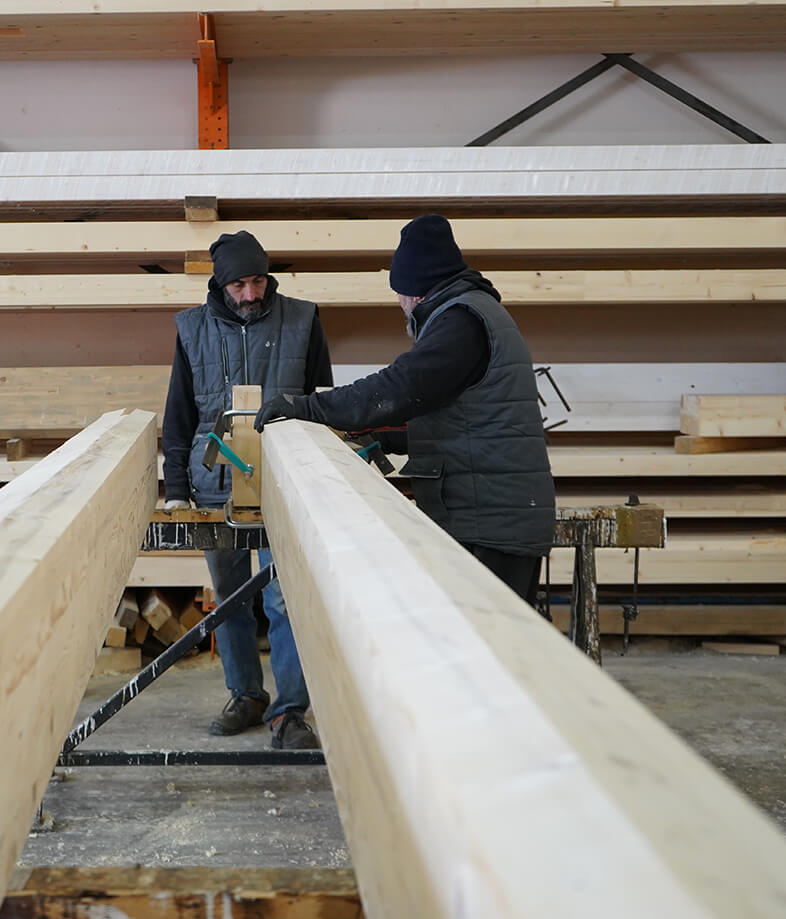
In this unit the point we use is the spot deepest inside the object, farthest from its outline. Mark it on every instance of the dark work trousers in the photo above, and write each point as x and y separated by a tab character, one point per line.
520	572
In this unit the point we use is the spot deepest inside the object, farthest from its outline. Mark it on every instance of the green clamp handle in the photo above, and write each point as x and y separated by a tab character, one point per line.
230	454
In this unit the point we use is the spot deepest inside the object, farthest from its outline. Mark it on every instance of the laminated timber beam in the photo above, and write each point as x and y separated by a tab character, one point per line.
397	182
70	529
362	289
291	239
468	742
83	29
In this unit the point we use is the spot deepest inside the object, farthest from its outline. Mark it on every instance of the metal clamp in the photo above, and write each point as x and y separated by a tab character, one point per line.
230	521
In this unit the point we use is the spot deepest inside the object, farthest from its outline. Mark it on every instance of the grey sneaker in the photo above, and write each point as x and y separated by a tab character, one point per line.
239	714
292	732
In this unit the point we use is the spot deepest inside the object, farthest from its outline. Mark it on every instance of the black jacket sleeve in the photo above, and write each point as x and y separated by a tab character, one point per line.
180	423
451	355
319	371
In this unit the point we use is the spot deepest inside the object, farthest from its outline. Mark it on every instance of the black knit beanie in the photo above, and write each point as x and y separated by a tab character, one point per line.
237	255
426	255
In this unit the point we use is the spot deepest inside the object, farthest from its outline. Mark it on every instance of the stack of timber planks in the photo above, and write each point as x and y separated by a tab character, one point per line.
633	291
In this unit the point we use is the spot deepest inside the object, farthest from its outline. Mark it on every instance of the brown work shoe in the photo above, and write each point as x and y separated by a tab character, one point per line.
292	732
239	714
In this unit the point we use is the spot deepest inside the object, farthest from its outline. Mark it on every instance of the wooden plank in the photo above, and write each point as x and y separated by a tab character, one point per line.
448	824
688	619
69	533
605	461
173	893
525	178
77	29
368	289
693	498
286	239
58	401
715	415
685	443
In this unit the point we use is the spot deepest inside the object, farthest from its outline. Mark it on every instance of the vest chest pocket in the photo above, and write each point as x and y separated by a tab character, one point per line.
427	474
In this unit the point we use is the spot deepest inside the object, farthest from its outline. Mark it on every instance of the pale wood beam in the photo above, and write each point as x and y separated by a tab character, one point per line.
70	529
409	179
518	288
49	30
287	238
733	415
453	758
607	461
59	401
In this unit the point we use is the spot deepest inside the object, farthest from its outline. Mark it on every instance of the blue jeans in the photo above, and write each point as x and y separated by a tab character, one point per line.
237	637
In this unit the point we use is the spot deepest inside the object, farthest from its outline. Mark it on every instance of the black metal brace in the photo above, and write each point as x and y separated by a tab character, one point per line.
639	70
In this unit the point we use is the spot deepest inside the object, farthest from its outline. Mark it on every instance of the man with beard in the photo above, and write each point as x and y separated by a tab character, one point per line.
246	333
466	391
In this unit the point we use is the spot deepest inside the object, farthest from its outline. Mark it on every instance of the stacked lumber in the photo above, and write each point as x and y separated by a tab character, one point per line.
636	275
726	423
145	623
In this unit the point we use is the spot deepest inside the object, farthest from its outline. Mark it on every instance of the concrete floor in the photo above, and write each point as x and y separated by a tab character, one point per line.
730	709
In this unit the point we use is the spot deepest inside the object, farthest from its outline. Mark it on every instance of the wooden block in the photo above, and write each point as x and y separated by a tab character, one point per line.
190	617
208	599
201	207
733	415
685	443
575	757
741	647
70	529
118	660
246	443
127	611
170	631
198	263
141	628
115	636
17	448
155	609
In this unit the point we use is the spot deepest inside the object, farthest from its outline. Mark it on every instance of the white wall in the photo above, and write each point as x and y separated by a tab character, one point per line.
384	102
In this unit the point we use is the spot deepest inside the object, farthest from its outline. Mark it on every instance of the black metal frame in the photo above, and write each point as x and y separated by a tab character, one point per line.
650	76
160	665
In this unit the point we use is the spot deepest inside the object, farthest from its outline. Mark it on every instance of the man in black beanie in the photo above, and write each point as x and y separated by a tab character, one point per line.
245	333
466	391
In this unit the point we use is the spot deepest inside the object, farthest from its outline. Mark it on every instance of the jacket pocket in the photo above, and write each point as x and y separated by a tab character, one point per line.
427	476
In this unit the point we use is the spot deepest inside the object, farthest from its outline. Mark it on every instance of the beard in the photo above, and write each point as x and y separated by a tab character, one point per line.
244	309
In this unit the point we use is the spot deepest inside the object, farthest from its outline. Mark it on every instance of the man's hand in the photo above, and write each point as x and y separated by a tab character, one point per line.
176	504
283	406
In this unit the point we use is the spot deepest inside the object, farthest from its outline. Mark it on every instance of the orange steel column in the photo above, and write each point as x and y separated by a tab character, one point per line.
213	89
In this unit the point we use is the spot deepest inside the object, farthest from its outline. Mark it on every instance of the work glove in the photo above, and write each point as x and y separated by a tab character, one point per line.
280	407
176	504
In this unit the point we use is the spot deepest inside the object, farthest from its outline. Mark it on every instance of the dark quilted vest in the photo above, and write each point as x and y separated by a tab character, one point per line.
479	466
270	351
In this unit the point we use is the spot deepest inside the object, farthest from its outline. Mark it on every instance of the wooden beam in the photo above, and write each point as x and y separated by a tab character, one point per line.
525	178
733	415
685	443
603	461
285	239
171	893
448	664
59	401
76	29
69	533
687	619
369	289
